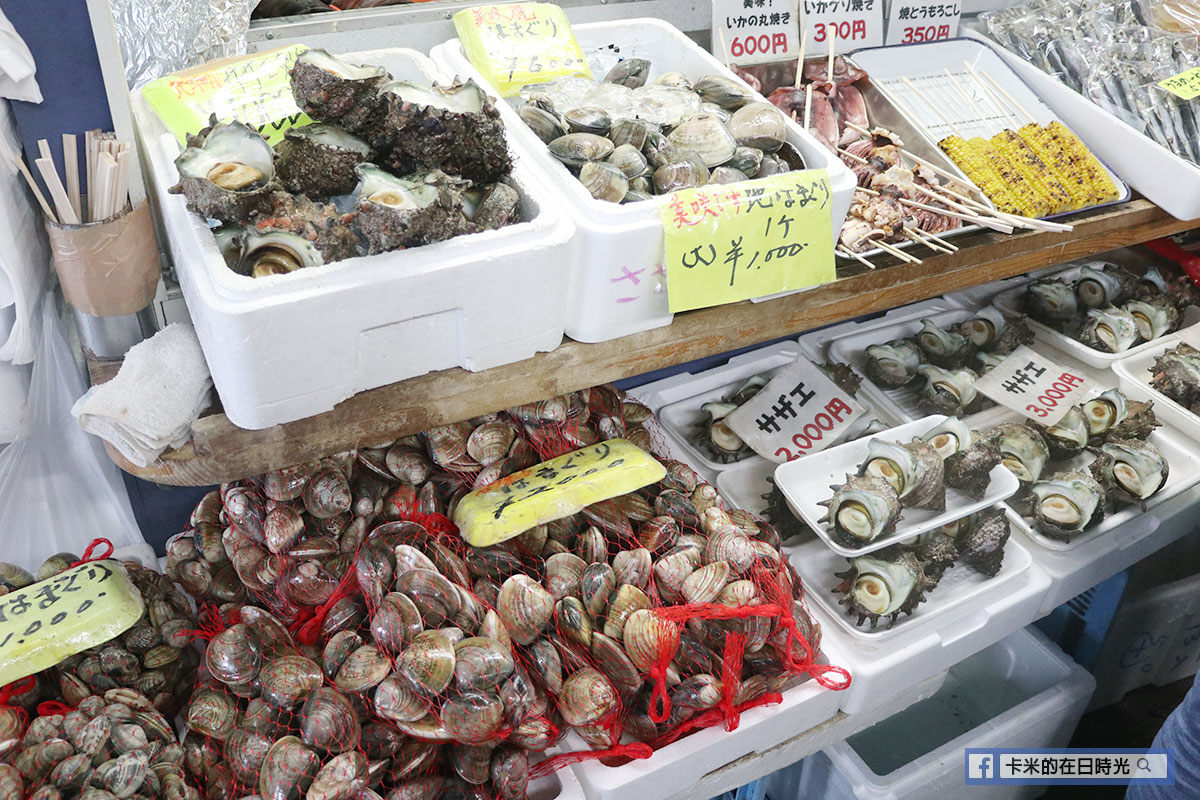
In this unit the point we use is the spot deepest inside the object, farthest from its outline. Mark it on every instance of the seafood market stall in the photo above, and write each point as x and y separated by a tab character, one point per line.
497	509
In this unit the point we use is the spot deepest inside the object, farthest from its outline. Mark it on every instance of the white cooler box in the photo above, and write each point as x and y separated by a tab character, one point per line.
611	239
1020	692
285	347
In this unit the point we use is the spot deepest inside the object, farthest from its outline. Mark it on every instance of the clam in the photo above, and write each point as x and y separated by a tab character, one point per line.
746	160
288	679
950	392
577	149
758	125
1022	449
723	175
675	80
629	72
573	620
408	464
588	119
327	493
646	635
706	136
1153	318
288	770
604	181
546	125
307	583
245	752
893	364
630	132
471	762
428	662
282	528
395	622
362	669
210	712
595	585
481	663
1133	469
705	584
524	607
725	92
546	664
329	722
658	150
660	106
1110	330
631	567
234	655
673	568
587	698
472	717
625	601
563	571
509	768
915	470
434	596
862	510
1104	284
629	160
884	584
1067	504
396	701
341	778
490	442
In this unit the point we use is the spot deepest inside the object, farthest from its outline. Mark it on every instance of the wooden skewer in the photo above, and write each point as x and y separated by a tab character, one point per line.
994	98
800	61
900	254
851	156
724	49
994	224
970	101
24	170
61	203
1008	97
44	150
938	239
829	66
929	103
807	106
843	249
71	168
916	237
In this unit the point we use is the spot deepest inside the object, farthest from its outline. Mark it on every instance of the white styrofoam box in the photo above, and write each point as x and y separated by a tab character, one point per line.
1183	656
289	346
1161	176
1020	692
882	666
1133	376
685	763
1009	302
560	785
805	483
961	590
615	242
815	344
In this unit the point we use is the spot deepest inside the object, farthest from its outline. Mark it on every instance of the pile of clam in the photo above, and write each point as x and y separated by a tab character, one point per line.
109	747
627	140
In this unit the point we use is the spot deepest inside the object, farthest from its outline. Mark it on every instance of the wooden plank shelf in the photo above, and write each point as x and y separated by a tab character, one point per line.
220	451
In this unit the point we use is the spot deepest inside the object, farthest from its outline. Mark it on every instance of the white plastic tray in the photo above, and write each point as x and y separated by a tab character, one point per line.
816	344
902	403
924	66
960	587
1009	301
1133	376
289	346
745	484
805	482
1164	178
615	240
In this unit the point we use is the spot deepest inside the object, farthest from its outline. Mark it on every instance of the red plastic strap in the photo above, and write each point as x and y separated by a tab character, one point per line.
91	548
16	688
307	627
731	677
211	622
660	701
714	717
715	611
1188	262
51	707
554	763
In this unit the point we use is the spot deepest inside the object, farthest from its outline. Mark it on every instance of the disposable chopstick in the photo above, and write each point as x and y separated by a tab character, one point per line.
800	60
63	205
44	149
807	106
71	168
20	162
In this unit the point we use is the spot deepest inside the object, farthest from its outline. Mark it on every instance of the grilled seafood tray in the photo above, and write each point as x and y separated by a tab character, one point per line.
937	105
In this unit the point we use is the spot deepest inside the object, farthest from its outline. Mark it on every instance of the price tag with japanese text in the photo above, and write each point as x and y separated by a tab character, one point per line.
731	242
800	412
254	89
47	621
755	31
1034	386
518	44
554	489
911	21
1185	85
850	24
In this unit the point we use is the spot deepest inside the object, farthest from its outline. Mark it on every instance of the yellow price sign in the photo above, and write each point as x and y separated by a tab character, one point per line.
47	621
255	89
731	242
518	44
554	489
1185	84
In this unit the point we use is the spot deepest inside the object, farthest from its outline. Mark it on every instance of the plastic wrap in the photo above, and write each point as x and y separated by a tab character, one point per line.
168	35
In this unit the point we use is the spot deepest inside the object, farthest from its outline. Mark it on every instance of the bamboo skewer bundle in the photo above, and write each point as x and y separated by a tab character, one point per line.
106	162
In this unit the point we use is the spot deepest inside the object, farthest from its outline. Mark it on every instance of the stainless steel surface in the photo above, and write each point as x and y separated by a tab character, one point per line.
110	337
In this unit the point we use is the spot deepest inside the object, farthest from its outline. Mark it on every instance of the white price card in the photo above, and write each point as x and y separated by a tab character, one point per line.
1034	386
913	21
846	24
754	31
801	411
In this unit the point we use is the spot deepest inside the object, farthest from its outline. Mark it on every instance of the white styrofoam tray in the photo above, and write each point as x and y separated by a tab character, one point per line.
289	346
805	483
851	348
1009	301
1133	376
1171	182
816	344
1020	692
616	241
960	587
708	751
940	109
747	484
1184	472
977	297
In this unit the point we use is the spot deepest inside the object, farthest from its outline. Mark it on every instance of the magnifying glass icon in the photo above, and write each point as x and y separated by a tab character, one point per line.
1143	765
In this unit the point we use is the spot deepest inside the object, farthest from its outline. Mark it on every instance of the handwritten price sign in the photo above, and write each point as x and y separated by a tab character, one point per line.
801	411
519	44
554	489
755	31
851	24
255	89
1034	386
736	241
911	21
44	623
1185	85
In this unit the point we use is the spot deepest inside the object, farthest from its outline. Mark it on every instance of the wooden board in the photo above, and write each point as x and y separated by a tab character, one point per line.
220	451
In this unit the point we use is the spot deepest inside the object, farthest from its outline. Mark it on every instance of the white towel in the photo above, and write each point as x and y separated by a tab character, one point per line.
17	68
158	393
